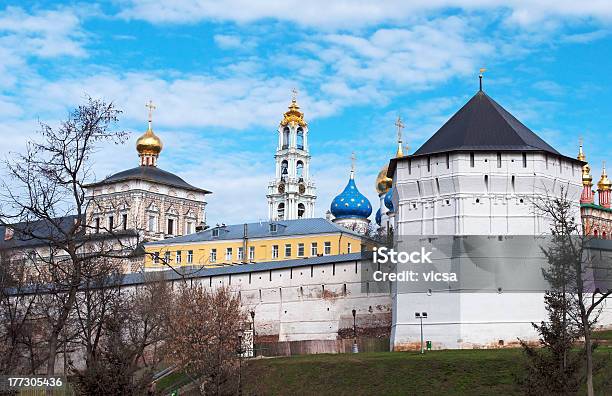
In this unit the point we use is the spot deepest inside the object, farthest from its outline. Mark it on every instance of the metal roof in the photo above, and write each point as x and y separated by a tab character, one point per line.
150	173
260	230
199	272
35	233
481	124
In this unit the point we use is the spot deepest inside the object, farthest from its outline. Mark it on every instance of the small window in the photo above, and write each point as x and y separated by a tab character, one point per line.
179	257
188	227
300	250
152	224
327	248
273	228
111	224
486	181
167	258
428	164
274	251
215	232
499	160
97	225
447	161
156	257
513	184
471	160
213	255
228	254
524	160
348	247
189	256
240	254
251	252
313	249
288	250
124	221
170	227
410	166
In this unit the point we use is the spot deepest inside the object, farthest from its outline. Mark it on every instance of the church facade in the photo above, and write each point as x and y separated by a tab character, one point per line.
154	203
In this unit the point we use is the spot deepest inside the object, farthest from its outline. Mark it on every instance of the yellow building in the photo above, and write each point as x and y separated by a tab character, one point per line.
255	242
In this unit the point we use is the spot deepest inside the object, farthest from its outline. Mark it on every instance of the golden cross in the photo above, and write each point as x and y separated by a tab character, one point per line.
400	125
353	161
580	141
151	107
294	93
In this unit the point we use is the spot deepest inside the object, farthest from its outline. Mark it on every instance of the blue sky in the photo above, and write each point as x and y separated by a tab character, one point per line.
221	74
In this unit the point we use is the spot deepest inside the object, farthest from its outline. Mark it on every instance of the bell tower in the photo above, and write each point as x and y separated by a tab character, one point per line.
292	194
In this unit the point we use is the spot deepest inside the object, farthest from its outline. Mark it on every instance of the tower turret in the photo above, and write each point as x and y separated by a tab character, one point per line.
587	180
292	194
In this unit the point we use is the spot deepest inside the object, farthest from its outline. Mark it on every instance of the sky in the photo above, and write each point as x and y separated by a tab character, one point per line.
221	75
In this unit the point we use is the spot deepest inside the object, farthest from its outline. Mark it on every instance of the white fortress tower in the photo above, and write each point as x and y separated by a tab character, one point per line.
292	194
479	174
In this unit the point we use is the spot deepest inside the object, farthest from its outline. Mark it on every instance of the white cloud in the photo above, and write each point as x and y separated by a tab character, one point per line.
228	42
340	14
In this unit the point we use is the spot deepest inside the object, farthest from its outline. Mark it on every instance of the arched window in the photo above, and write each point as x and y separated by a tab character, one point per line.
299	168
596	233
301	210
300	139
285	138
284	169
604	235
280	213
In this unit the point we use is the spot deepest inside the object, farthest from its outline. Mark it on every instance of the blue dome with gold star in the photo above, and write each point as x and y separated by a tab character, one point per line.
389	199
350	203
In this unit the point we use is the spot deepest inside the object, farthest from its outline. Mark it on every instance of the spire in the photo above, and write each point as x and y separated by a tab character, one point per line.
581	155
353	165
151	107
400	125
480	75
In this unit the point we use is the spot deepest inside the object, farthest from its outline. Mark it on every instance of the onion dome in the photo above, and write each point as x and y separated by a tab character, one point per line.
587	179
378	216
293	115
350	203
604	183
389	200
383	183
149	143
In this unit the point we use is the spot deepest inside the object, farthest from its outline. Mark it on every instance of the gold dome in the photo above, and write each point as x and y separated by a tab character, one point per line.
383	183
604	183
293	115
149	143
587	179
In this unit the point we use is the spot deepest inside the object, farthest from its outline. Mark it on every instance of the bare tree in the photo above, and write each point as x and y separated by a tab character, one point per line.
571	274
19	328
45	198
204	337
126	334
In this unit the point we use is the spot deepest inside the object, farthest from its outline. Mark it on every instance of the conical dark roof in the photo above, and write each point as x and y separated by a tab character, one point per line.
483	125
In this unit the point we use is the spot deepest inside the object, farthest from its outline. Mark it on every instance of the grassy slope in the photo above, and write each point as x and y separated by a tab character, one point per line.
453	372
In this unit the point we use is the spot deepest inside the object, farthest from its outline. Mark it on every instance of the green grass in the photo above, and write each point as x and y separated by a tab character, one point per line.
602	335
171	380
452	372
